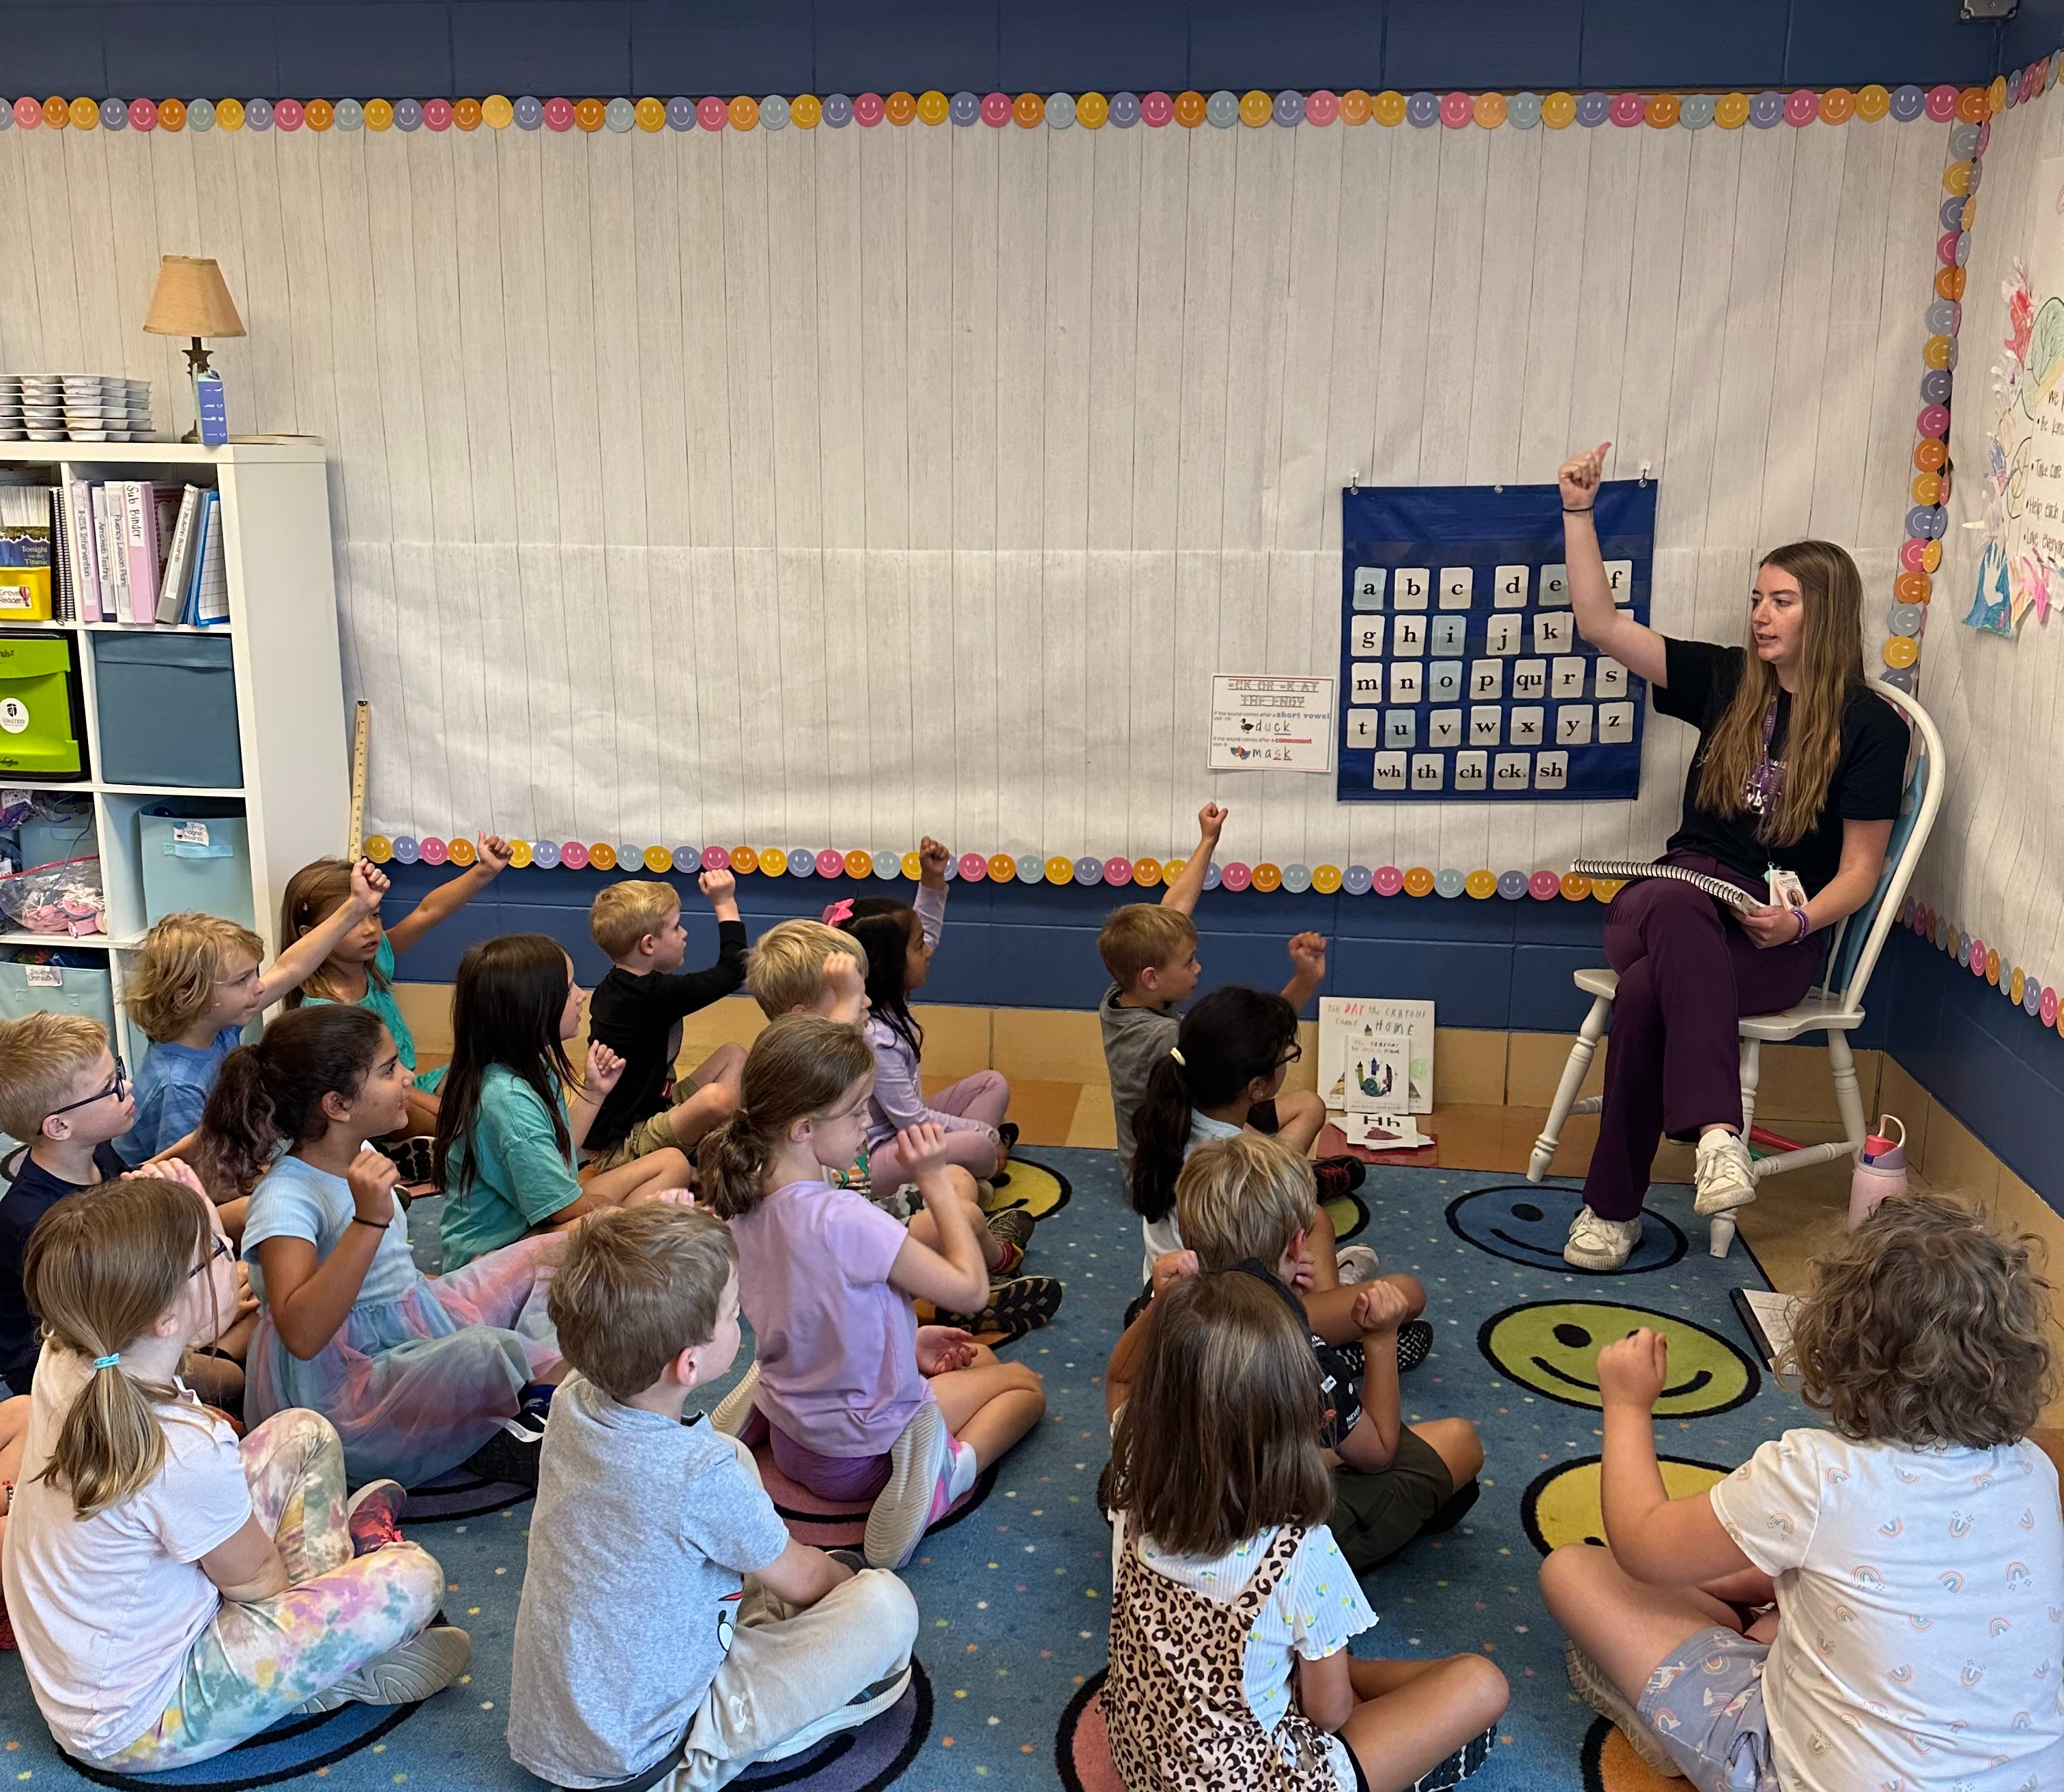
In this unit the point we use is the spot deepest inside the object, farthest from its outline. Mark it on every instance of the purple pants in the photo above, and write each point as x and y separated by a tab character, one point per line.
1686	975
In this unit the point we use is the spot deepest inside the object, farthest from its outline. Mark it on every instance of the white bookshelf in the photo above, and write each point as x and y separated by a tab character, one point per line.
289	683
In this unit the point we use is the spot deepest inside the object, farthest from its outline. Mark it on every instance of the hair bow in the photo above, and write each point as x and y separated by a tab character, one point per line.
839	913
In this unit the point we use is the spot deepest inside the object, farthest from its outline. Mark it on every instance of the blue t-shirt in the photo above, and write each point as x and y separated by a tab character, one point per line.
510	1175
295	1200
31	1194
172	1086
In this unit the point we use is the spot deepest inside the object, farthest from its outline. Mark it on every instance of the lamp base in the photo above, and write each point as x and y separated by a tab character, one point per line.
197	364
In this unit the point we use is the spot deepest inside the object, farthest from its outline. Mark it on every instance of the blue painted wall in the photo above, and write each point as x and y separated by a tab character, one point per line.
1491	964
607	47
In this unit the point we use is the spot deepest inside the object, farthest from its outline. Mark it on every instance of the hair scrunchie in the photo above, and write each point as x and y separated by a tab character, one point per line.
113	1361
838	912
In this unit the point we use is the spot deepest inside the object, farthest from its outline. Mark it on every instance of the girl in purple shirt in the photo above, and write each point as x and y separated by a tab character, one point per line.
860	1400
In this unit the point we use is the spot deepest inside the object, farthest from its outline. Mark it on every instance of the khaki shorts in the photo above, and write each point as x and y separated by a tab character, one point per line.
655	1133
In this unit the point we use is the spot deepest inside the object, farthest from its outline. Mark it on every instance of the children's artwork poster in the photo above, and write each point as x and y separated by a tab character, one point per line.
1265	722
1464	674
1376	1055
2024	518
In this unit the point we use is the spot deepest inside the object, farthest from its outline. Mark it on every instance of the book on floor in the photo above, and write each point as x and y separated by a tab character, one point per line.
1376	1055
1768	1318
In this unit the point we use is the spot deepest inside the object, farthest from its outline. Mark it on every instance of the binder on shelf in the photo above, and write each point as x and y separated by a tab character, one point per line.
85	550
179	557
64	601
112	566
139	541
211	582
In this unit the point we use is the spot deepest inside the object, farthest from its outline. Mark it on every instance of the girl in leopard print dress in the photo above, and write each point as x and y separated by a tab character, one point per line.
1234	1607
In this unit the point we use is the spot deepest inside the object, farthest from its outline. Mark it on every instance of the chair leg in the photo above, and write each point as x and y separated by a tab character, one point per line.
1848	1096
1581	1053
1720	1229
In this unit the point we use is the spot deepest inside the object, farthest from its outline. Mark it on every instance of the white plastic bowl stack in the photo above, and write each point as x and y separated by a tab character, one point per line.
136	420
12	429
86	401
43	407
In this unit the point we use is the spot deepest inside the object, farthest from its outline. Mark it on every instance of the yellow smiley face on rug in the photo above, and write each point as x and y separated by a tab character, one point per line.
1552	1347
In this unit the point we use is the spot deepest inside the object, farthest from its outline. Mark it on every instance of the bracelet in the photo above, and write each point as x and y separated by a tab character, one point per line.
1805	926
1585	511
377	1225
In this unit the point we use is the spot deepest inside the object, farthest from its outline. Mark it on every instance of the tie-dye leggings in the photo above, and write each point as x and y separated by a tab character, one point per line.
256	1662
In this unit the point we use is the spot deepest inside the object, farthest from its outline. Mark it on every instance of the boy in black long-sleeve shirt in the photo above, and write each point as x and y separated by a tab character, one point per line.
637	1011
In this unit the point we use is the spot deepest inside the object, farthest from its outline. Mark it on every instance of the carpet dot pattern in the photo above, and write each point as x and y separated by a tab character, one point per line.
1013	1596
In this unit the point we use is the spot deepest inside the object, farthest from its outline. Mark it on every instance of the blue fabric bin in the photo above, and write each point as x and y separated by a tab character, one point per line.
167	707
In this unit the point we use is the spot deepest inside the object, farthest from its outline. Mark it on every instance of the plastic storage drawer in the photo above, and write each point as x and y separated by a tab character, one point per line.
39	707
167	707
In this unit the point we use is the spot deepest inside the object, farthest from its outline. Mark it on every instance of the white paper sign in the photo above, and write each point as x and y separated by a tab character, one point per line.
1264	723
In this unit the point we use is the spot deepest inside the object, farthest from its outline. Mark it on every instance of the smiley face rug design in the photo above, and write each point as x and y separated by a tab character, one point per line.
1529	1225
1562	1504
1552	1347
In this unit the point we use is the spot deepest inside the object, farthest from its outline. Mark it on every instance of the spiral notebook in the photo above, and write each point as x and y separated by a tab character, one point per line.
1625	871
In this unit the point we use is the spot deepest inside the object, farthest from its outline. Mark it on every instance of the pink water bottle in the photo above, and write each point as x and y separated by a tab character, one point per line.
1880	1170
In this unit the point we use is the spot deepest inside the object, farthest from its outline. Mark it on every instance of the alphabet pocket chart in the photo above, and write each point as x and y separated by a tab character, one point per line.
1462	673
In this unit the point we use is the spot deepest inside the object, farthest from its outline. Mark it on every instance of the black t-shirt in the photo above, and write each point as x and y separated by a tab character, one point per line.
635	1018
27	1193
1340	1367
1868	780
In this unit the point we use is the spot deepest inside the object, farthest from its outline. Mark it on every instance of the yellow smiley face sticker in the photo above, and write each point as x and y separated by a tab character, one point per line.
1552	1347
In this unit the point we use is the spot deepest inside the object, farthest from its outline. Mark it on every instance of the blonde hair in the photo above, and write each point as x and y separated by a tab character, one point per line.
100	1268
636	1287
41	1056
1831	665
1143	937
625	912
313	894
799	1068
1241	1198
1927	1327
173	983
785	971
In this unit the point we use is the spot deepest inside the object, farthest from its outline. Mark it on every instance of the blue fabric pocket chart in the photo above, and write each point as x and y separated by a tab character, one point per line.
1462	675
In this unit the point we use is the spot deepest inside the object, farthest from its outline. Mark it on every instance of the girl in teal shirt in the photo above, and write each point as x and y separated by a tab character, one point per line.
512	1116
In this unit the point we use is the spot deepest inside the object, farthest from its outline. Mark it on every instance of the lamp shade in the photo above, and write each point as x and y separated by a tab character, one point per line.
191	300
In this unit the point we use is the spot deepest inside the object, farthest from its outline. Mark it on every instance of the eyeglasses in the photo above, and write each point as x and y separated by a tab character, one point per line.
221	1250
1291	1056
119	1086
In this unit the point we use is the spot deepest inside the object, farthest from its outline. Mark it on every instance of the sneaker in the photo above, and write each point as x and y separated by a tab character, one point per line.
427	1663
1338	1176
1415	1344
1595	1687
863	1707
921	1464
1014	1308
1596	1243
1012	1224
1725	1173
1459	1766
510	1456
416	1157
1358	1263
735	1411
1006	1132
373	1516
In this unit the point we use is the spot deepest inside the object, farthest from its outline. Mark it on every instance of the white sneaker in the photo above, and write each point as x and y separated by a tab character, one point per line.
1598	1243
1726	1175
427	1663
1357	1264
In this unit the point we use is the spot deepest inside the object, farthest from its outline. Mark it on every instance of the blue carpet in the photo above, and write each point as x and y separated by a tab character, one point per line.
1014	1593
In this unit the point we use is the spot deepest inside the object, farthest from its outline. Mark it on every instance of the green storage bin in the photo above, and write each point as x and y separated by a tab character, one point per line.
40	715
27	989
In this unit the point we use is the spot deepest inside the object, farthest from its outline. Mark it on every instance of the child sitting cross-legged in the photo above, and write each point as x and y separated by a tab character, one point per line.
1914	1549
507	1136
416	1374
864	1402
809	967
637	1011
750	1647
175	1592
1246	1205
63	1091
1233	1606
197	983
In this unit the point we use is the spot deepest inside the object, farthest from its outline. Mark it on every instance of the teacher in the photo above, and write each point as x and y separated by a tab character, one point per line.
1799	767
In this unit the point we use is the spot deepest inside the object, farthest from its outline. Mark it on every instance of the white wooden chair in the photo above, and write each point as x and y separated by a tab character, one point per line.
1834	1006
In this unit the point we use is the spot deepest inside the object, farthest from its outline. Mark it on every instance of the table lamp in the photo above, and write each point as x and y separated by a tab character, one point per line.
192	301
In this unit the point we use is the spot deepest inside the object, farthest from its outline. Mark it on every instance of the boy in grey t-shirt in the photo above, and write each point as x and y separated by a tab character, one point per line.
666	1610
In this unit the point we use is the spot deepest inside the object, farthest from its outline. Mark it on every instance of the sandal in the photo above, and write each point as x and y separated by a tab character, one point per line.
1014	1308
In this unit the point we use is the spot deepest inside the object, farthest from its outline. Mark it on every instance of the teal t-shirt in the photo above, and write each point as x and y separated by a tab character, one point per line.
379	999
510	1169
